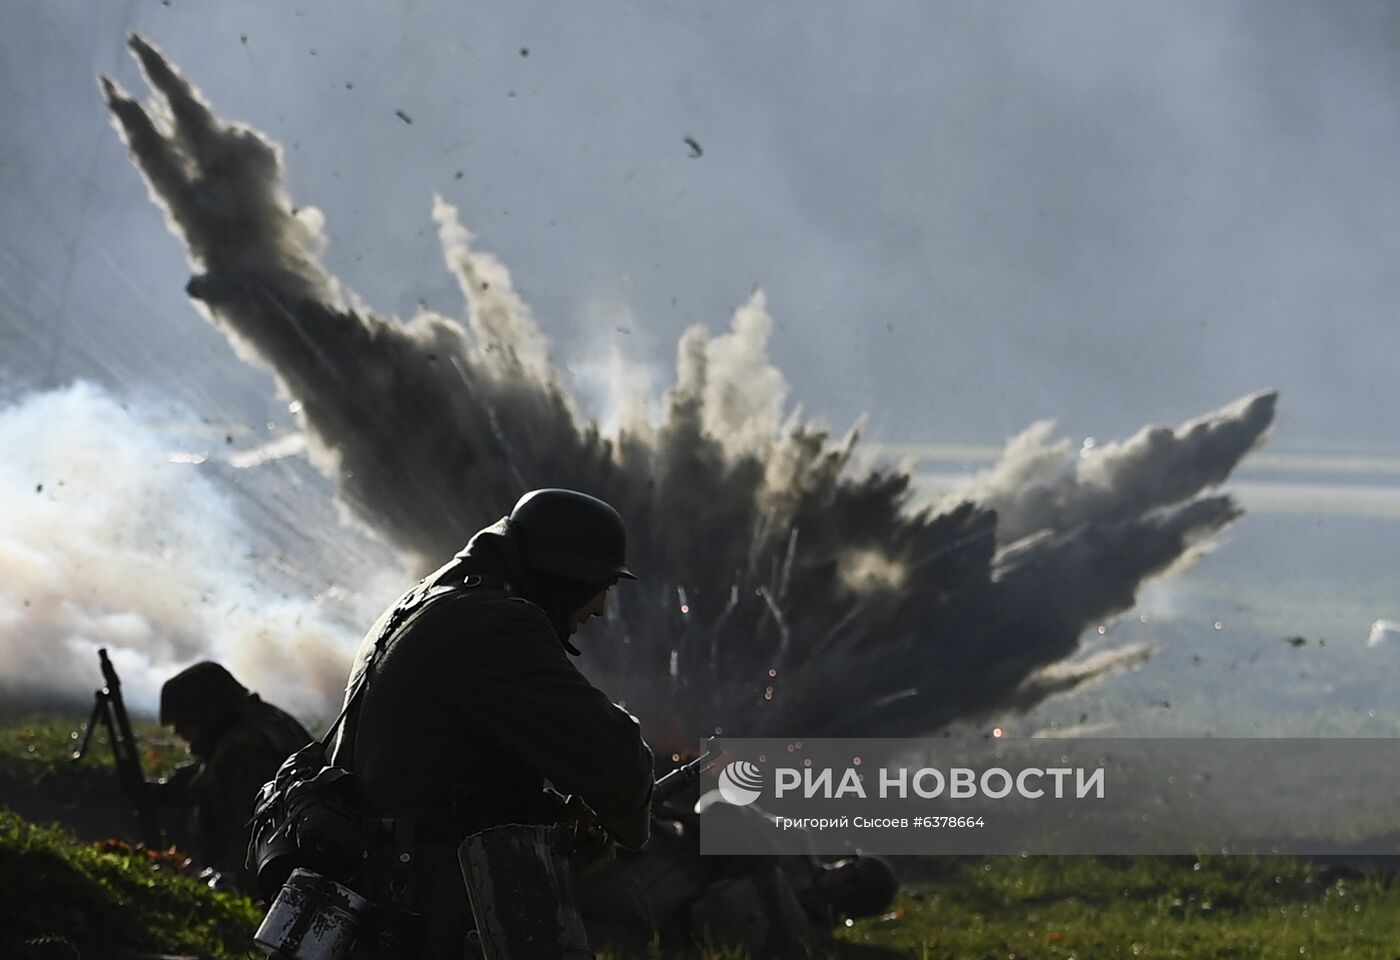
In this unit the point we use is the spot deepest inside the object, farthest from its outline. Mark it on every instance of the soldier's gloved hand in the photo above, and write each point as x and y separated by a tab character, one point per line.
592	851
591	846
174	790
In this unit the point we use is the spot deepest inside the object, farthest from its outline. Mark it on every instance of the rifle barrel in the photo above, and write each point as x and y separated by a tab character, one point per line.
681	777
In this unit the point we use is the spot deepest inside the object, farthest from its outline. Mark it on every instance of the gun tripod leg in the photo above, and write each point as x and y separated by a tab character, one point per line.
99	712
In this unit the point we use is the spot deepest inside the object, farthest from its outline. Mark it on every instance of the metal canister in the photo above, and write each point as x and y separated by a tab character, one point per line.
522	893
313	918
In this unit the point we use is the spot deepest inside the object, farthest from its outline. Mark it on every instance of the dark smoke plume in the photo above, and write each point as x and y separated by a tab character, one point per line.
783	590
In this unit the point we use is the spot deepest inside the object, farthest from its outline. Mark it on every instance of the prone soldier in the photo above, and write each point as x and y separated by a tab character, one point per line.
767	905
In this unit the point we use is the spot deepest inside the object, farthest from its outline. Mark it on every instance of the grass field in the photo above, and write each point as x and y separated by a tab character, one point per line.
1146	907
66	896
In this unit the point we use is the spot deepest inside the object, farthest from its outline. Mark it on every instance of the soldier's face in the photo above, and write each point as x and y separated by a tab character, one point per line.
186	730
593	608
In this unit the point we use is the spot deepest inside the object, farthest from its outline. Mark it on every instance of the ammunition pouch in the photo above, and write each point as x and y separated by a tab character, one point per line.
307	816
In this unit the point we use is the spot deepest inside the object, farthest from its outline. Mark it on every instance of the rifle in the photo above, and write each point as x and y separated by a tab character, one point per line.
110	710
683	776
585	823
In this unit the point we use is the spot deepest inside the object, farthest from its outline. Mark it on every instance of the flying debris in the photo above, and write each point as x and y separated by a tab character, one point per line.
695	149
816	597
404	117
1384	633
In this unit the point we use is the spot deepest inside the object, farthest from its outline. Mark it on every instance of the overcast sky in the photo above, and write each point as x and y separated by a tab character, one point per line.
967	216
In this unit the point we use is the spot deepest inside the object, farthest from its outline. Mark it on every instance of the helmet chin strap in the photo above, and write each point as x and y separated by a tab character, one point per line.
559	607
515	548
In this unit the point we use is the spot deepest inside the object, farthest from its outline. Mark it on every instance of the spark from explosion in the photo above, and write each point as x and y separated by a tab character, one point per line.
783	589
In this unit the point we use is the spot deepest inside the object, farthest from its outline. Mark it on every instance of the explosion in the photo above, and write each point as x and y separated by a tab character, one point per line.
783	589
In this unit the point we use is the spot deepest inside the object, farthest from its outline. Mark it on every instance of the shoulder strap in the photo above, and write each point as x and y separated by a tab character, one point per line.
441	583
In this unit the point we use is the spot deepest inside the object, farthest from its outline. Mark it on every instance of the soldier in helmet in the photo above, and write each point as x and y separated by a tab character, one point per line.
238	742
473	703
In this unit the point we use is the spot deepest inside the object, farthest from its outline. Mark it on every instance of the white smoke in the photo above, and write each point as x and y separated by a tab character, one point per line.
499	318
108	540
1040	485
743	393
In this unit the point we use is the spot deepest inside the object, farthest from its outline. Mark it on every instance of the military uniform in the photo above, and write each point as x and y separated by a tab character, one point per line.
470	707
241	741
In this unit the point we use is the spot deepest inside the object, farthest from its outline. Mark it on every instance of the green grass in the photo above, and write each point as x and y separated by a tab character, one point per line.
1137	907
61	897
37	748
39	780
65	898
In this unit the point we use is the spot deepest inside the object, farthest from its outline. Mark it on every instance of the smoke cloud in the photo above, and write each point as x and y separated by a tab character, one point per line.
1032	488
783	590
114	540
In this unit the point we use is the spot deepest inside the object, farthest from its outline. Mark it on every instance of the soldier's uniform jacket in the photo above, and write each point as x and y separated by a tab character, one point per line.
239	752
469	709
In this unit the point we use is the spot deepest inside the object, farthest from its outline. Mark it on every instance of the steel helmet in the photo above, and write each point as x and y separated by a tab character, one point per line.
201	694
860	886
570	534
